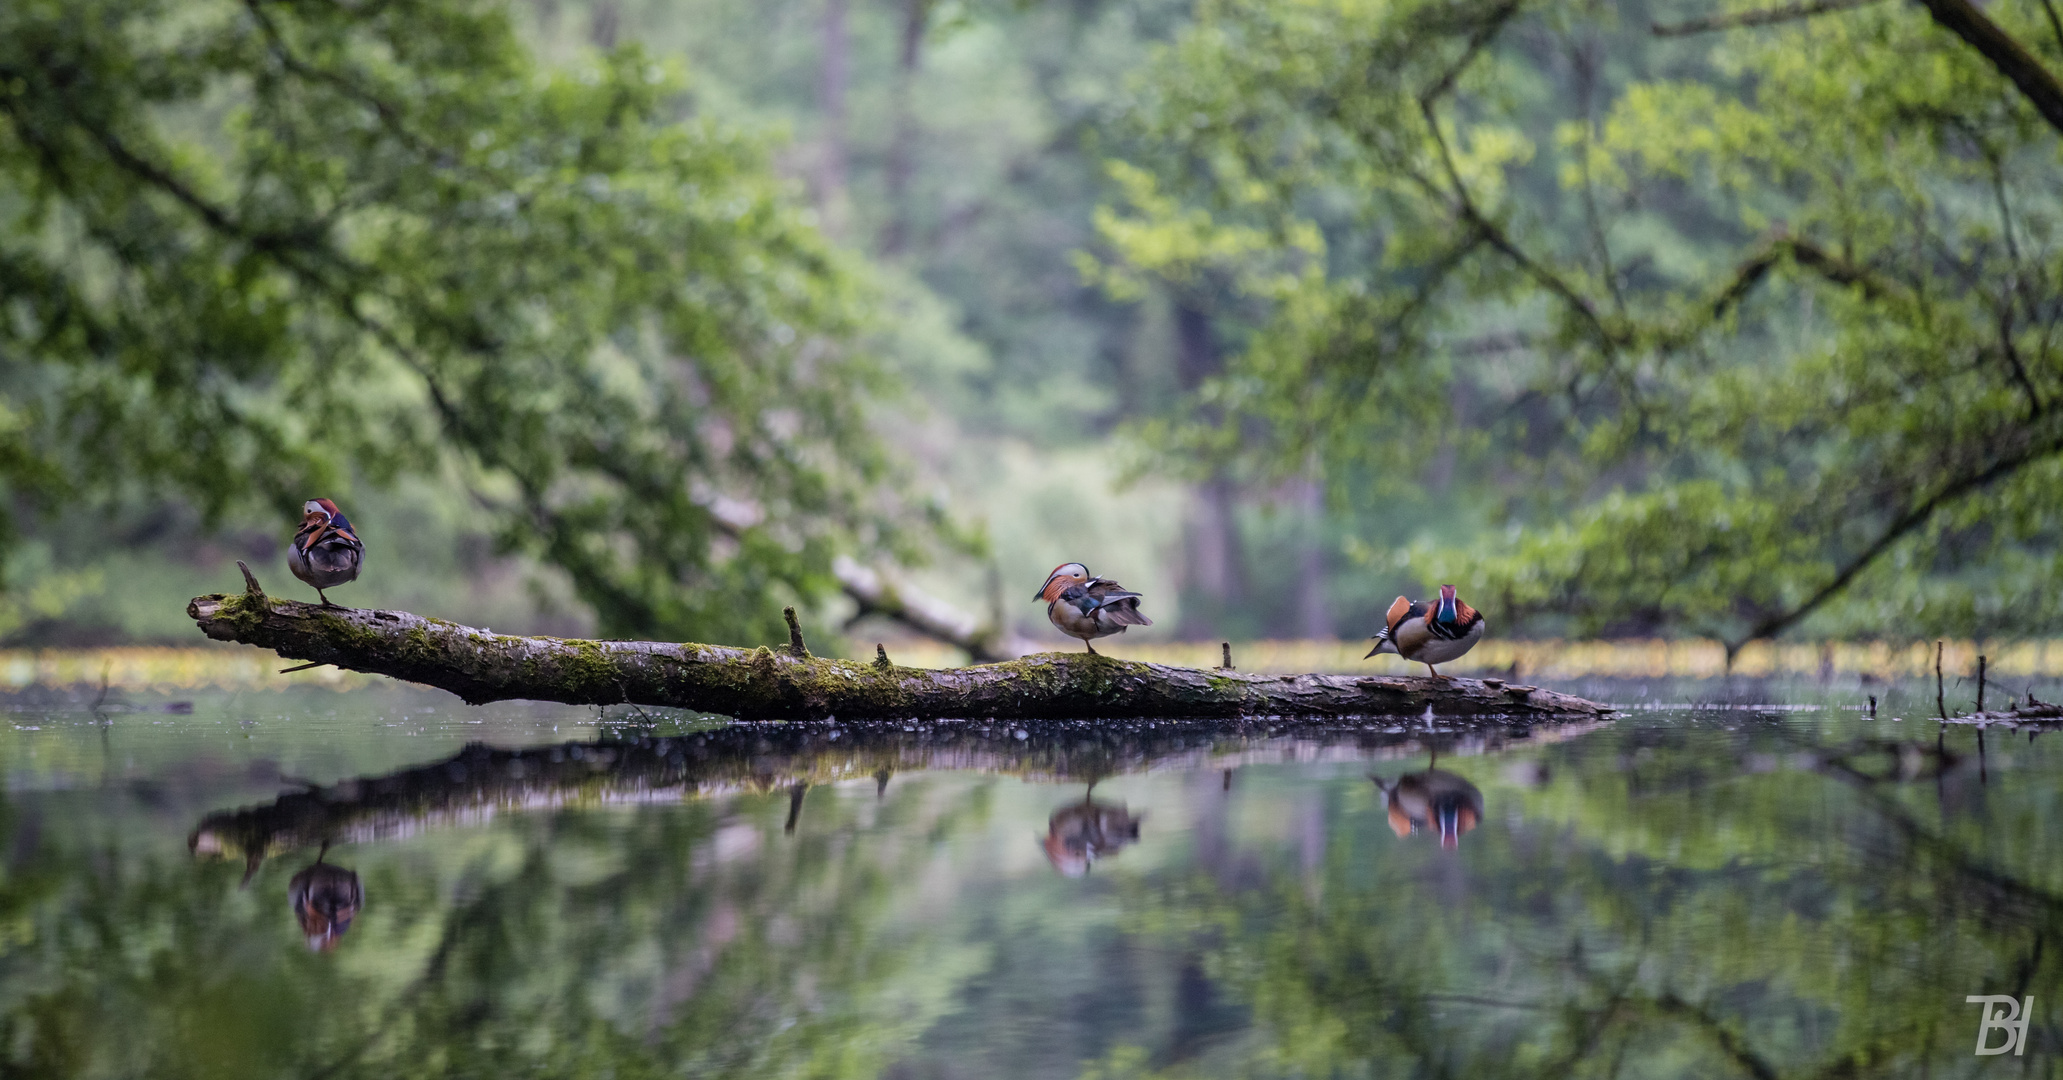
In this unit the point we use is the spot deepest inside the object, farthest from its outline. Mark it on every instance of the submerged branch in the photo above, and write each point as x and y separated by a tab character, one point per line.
2035	715
763	684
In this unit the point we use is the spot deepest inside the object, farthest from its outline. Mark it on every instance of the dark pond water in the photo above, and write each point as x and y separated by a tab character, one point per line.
386	883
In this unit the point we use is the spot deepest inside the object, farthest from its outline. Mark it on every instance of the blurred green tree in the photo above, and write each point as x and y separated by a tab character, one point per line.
1742	325
249	251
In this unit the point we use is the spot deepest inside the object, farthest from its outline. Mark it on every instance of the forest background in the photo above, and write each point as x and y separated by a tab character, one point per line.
630	317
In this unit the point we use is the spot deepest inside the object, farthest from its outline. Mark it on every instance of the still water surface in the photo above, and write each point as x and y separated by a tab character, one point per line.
387	883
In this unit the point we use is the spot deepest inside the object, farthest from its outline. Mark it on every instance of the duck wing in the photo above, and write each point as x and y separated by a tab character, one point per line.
1400	610
1115	604
340	529
1400	619
315	534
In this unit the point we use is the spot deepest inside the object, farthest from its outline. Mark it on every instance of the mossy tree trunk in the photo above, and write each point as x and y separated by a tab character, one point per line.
790	684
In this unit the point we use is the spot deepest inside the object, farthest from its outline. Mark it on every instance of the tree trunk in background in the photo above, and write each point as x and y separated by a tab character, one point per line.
1439	471
605	21
1215	567
1313	618
833	76
902	148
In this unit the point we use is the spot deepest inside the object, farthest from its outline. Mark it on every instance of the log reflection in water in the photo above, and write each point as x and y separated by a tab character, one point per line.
481	781
1080	833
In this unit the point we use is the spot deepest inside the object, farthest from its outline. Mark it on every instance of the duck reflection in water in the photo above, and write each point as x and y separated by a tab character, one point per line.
1080	833
325	899
1432	799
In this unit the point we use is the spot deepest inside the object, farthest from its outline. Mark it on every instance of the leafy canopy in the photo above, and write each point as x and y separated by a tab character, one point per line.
1740	328
251	251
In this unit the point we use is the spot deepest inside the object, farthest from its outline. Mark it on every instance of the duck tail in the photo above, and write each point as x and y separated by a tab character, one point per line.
1383	644
1124	611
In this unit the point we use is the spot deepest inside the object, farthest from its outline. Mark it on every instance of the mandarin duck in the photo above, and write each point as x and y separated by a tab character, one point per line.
1078	835
1430	631
325	899
1086	607
1433	798
325	552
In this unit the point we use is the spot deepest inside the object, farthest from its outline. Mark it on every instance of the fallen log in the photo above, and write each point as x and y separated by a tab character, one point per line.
789	684
2035	715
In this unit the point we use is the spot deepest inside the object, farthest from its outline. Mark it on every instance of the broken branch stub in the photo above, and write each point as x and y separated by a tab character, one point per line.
789	684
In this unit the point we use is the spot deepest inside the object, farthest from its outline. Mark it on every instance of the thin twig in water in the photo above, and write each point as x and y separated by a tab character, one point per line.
1940	702
105	668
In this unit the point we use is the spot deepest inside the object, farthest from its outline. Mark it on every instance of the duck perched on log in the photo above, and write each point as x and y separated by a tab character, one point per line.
326	552
764	684
1084	606
1430	631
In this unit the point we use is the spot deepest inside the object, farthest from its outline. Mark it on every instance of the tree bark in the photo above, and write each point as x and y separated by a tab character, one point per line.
761	684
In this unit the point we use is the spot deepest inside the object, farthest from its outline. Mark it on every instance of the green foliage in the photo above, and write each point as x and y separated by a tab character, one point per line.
1736	331
249	252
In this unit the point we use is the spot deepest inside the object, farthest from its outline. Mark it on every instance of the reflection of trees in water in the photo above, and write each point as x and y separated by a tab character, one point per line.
631	943
1781	912
1661	908
686	942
